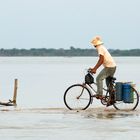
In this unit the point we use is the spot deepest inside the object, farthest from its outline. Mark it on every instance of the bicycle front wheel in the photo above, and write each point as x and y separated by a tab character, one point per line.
77	97
120	105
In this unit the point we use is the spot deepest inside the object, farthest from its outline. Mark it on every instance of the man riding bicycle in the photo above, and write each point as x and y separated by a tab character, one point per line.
107	61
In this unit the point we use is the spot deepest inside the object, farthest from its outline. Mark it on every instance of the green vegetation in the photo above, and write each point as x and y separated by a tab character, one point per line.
64	52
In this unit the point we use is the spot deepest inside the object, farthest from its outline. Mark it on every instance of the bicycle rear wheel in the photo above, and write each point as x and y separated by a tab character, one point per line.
77	97
120	105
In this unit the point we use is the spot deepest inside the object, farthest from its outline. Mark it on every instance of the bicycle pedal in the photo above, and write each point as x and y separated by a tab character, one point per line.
110	103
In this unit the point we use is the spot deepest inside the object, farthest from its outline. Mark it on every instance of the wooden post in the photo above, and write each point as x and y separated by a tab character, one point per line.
15	91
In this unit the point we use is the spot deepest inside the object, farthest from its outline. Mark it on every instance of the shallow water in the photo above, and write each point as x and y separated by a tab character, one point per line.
41	113
53	124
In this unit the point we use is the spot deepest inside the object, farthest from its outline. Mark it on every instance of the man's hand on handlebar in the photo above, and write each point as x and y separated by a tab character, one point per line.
92	70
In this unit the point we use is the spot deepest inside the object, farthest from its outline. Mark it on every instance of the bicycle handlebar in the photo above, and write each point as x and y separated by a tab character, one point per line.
89	71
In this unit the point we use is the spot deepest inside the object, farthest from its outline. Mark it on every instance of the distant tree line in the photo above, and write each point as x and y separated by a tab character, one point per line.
64	52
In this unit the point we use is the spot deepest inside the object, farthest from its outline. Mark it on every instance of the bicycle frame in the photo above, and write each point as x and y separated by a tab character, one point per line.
92	90
89	85
108	99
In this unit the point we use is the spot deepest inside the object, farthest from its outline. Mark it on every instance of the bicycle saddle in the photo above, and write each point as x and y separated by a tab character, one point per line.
113	78
110	79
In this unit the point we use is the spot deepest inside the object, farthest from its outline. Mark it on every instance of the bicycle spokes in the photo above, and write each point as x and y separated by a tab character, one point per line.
77	97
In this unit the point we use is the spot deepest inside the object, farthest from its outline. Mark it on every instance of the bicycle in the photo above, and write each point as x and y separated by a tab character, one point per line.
80	96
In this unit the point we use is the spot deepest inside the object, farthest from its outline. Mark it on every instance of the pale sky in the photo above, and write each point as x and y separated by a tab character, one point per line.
64	23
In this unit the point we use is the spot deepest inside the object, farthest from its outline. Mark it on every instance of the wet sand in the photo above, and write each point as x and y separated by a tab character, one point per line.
60	123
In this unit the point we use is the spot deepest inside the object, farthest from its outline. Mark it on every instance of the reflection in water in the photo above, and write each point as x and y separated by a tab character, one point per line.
109	115
60	123
100	113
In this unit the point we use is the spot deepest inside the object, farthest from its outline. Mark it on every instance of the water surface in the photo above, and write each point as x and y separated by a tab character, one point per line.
41	113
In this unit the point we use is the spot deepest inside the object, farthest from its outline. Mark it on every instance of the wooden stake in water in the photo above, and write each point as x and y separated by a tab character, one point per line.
15	91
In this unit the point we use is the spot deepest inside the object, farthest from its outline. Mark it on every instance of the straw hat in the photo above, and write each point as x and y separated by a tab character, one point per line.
97	41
